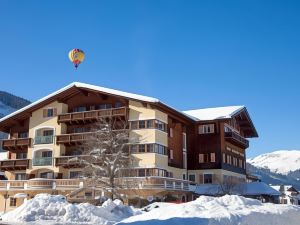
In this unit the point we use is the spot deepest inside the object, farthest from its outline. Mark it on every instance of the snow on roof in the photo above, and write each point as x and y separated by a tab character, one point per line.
88	86
214	113
245	189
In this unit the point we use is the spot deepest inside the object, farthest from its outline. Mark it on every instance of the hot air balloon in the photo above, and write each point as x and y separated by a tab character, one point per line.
76	56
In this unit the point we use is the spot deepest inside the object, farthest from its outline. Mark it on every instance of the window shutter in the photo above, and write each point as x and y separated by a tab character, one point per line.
212	157
201	158
55	112
44	113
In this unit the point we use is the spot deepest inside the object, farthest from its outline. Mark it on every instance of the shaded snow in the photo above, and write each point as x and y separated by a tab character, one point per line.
55	208
282	162
226	210
214	113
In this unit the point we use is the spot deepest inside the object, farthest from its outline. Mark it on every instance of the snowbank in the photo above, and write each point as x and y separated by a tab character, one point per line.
55	208
226	210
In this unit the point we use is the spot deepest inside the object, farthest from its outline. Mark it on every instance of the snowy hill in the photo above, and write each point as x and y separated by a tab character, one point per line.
279	167
282	162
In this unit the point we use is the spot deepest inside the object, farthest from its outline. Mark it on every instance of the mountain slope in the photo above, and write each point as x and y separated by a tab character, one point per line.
282	162
279	167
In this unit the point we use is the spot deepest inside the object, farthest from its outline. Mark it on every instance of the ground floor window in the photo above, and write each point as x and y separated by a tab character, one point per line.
12	202
75	174
20	176
207	178
192	177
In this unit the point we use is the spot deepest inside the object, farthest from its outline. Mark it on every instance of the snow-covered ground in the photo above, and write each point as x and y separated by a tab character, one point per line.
282	162
226	210
234	210
53	209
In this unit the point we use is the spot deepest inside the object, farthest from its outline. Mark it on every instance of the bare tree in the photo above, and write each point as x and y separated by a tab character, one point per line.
107	159
229	185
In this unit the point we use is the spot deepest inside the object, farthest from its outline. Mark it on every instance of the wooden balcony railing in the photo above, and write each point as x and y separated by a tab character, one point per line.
73	138
236	138
71	161
14	164
18	143
91	115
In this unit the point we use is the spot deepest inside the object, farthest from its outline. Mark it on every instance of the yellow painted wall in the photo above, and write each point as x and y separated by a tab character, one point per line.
138	111
38	121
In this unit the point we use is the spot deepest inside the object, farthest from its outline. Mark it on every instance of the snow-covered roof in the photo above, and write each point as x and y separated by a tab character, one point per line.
195	115
245	189
214	113
87	86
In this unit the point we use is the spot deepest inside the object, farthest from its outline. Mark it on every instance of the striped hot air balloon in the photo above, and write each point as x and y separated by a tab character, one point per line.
76	56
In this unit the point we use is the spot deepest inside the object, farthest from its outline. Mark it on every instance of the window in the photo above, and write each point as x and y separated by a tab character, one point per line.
20	176
150	148
160	125
224	158
184	140
141	148
240	163
50	112
207	178
184	176
171	154
88	194
21	155
142	124
212	157
48	132
134	148
141	173
134	125
12	202
79	109
150	123
118	104
46	175
47	154
23	135
206	129
192	177
80	129
105	106
228	159
201	158
171	132
75	174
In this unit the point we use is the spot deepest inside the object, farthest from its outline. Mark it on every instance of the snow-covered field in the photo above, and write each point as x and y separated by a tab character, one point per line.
233	210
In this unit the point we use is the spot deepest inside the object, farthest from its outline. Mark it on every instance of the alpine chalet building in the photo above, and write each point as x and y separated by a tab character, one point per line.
175	148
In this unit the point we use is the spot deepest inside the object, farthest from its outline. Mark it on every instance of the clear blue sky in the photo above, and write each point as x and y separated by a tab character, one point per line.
189	54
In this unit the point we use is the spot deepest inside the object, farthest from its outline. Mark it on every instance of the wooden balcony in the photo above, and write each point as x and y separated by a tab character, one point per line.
16	144
90	116
237	139
14	164
73	139
71	161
